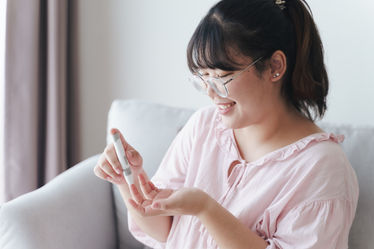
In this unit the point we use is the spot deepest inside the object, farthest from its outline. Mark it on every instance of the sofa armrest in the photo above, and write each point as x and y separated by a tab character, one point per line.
74	210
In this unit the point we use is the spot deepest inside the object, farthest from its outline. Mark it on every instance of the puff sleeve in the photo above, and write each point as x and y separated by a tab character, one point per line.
315	225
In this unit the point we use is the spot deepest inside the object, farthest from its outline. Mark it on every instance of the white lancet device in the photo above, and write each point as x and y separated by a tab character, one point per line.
122	158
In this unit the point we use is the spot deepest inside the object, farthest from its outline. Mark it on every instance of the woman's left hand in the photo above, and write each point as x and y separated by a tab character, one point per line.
167	202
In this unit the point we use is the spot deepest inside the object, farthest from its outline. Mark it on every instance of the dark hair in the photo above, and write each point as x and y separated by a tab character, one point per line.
258	28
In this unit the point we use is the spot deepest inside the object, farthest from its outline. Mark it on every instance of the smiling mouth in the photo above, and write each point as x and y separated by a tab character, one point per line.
226	106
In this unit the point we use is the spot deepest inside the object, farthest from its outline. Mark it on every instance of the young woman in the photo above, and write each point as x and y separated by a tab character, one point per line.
253	170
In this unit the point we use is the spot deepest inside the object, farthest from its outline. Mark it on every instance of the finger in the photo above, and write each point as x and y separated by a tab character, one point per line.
126	145
132	155
108	169
146	179
156	205
147	210
134	158
101	174
148	192
153	187
135	194
112	157
168	203
164	205
160	205
137	206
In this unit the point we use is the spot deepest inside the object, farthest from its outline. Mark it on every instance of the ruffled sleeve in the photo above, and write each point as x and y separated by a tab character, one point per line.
316	225
171	172
173	168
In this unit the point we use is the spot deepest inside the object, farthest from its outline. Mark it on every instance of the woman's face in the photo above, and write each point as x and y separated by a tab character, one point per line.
251	96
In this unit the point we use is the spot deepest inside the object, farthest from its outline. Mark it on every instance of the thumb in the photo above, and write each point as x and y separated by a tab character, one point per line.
134	158
163	204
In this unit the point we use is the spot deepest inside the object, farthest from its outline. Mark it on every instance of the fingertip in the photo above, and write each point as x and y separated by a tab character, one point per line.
156	205
118	170
153	187
113	131
133	203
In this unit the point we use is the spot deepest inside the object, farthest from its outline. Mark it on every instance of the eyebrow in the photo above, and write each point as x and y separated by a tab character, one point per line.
219	76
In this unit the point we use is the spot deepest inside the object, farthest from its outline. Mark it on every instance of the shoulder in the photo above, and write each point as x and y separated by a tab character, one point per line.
324	170
325	153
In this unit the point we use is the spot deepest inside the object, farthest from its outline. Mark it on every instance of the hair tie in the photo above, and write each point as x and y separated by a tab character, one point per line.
281	4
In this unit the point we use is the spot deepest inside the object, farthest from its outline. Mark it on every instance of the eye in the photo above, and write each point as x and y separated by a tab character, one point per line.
225	75
201	74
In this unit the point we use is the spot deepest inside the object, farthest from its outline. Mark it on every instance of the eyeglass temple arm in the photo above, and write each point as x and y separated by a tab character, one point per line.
245	69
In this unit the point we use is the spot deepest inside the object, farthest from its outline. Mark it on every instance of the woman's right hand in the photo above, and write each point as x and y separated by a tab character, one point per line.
109	168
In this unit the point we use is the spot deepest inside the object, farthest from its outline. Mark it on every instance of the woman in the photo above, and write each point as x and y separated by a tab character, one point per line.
254	170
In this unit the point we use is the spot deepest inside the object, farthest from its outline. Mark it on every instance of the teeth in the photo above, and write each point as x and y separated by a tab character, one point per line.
223	107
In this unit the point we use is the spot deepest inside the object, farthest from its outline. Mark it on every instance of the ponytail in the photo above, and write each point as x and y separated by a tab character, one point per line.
309	78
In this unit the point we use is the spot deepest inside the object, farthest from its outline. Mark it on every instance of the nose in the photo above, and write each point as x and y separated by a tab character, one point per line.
211	93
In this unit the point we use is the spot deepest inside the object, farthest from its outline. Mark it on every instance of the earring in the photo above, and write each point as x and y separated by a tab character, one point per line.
276	75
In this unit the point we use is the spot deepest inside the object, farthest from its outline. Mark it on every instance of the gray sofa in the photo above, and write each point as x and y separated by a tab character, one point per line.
79	210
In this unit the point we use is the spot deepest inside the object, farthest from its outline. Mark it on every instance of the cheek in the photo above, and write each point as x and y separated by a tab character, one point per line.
248	94
251	104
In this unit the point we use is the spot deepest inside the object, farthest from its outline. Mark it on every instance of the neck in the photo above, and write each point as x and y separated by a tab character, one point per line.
274	130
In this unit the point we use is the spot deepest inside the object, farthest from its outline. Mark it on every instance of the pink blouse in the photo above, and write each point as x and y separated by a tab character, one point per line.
303	195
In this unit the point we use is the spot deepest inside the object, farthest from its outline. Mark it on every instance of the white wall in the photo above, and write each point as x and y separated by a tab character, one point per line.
347	30
2	97
132	49
136	49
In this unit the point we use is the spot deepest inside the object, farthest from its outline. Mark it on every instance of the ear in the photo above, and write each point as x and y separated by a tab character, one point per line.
278	65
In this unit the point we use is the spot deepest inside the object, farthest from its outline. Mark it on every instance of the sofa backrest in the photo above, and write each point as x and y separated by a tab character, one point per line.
150	128
359	148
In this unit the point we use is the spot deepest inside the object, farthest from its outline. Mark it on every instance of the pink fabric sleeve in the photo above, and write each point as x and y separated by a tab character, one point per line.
171	173
316	225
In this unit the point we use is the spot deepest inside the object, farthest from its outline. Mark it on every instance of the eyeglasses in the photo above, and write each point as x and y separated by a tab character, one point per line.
216	83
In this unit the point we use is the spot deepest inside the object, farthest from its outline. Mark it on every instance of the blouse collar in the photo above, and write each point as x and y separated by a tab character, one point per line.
226	141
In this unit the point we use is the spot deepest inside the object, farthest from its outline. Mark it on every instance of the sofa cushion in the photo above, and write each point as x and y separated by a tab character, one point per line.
74	210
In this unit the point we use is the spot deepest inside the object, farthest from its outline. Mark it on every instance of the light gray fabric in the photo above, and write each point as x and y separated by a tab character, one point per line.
149	128
74	210
359	147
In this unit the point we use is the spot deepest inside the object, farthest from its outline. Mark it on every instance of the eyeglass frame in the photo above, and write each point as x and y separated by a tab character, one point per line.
227	81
